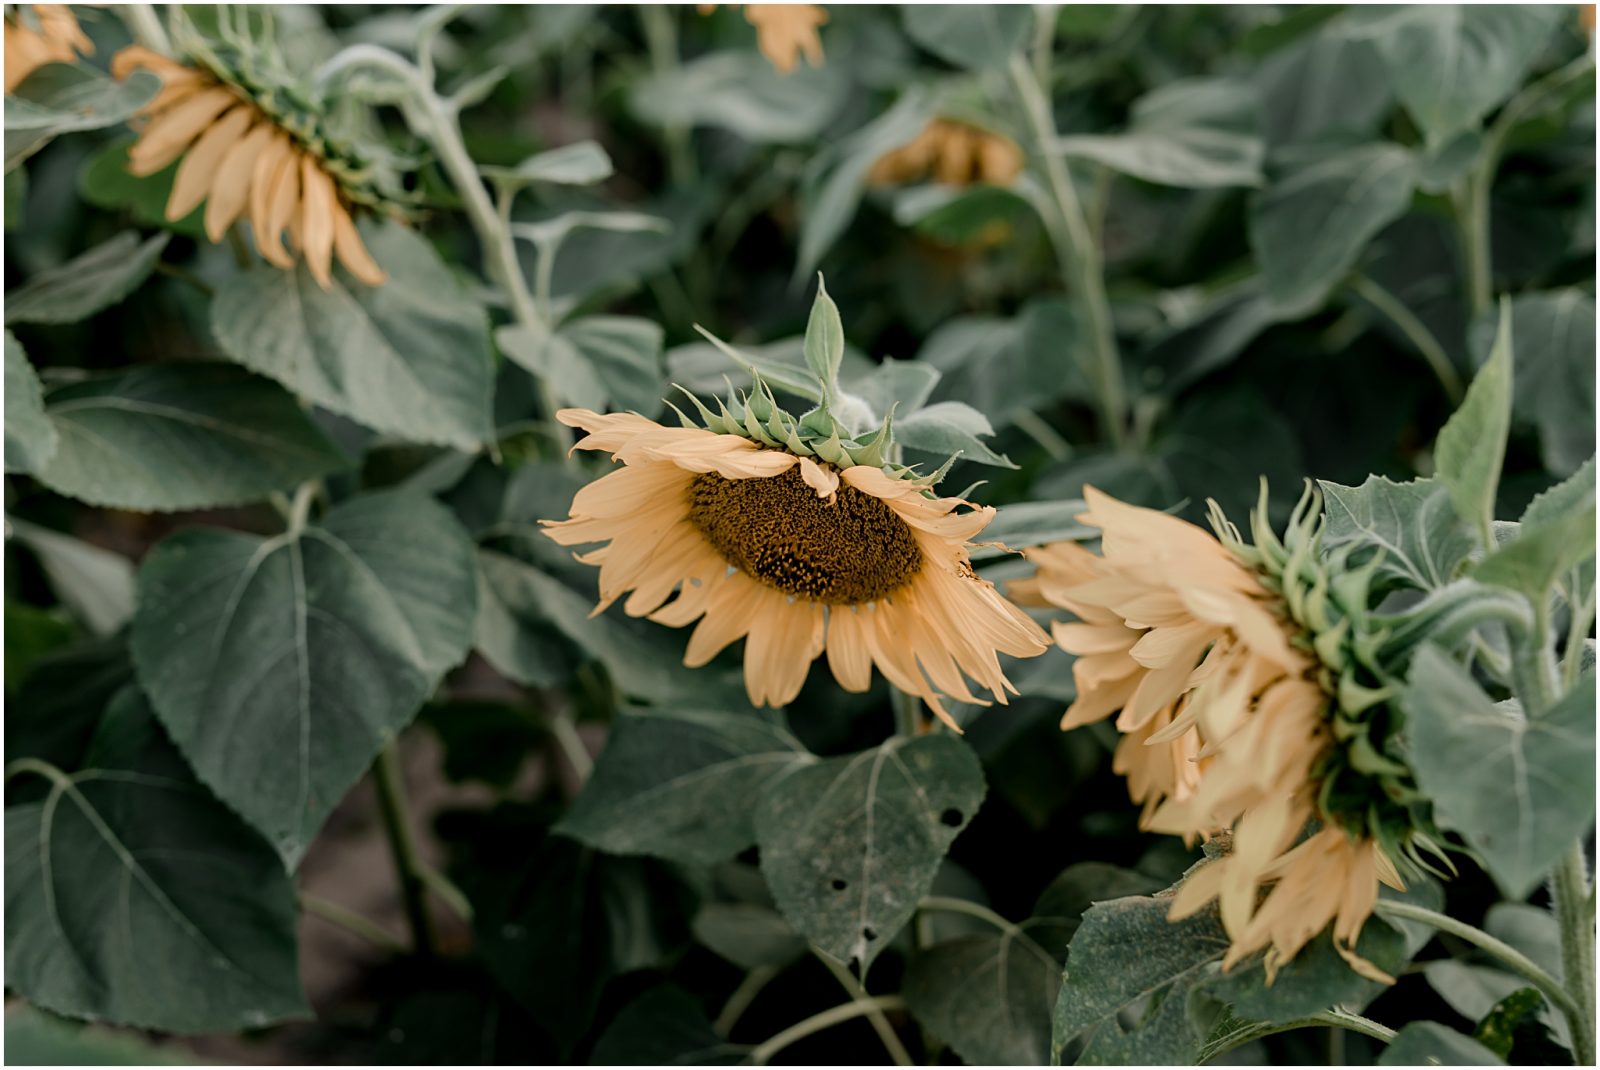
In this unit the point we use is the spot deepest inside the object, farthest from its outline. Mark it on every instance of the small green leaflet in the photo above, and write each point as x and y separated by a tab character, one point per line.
88	283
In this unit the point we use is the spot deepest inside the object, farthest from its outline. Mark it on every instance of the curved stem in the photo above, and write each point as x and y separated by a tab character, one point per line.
572	746
742	997
403	846
445	888
1343	1019
966	906
1416	333
1335	1018
1077	251
350	921
907	713
763	1053
1569	895
1509	956
880	1024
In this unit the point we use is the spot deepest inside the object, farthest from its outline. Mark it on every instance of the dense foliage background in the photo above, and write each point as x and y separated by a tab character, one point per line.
1301	216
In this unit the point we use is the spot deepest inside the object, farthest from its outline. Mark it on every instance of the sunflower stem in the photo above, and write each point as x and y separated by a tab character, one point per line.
1509	956
875	1017
1077	251
387	777
352	922
1569	899
762	1054
1416	333
661	40
742	997
907	713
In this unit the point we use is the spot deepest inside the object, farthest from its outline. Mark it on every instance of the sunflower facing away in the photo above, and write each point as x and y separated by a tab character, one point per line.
253	155
37	34
1243	708
953	153
799	540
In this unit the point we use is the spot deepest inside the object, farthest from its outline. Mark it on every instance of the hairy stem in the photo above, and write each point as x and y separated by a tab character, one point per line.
1569	899
350	921
1416	333
403	846
1509	956
1077	252
762	1054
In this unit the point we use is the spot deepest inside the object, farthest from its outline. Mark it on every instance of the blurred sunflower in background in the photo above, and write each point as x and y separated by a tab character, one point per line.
1245	708
785	32
37	34
253	149
953	153
797	550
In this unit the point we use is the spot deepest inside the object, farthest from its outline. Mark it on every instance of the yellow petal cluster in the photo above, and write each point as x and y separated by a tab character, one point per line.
58	39
239	163
953	153
1224	722
784	32
797	558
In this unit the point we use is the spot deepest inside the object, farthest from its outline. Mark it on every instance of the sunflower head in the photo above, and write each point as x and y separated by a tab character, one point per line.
798	534
36	34
257	142
952	152
1250	682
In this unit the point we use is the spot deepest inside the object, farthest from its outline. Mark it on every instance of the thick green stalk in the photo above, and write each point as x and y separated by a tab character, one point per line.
1569	899
403	846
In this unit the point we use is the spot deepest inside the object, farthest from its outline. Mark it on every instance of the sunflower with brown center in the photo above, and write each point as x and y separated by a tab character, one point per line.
796	556
1244	708
37	34
242	160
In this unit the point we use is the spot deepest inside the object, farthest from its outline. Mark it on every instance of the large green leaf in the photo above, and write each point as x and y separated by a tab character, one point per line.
181	435
597	362
34	1038
97	279
1451	64
1519	790
979	36
410	357
1472	445
1310	224
1330	82
30	436
950	427
95	584
1553	336
683	785
134	897
1412	529
1552	547
849	845
1431	1044
1195	132
280	666
740	92
988	997
1004	367
664	1027
59	98
1563	505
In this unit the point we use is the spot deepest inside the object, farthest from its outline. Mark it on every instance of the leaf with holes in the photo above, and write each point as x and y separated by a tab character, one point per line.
681	784
134	897
182	435
849	845
280	666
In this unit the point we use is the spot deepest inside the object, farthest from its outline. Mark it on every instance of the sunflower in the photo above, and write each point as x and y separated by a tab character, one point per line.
953	153
1231	674
785	32
45	33
239	158
796	555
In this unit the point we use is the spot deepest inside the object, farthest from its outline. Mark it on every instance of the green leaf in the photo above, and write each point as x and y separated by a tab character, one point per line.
683	785
1431	1044
988	996
824	345
850	845
1019	525
947	427
740	92
959	215
1471	446
1127	955
597	362
281	666
1556	506
133	897
32	633
37	1039
1517	789
1539	555
1451	64
106	182
84	285
749	935
1309	226
664	1027
978	37
1553	336
582	163
31	438
95	584
1004	367
59	98
1061	906
1194	132
1515	1023
1412	529
181	435
410	357
1329	83
55	711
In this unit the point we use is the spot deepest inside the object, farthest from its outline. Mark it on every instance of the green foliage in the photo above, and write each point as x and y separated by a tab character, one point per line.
31	438
1431	1044
86	284
1472	445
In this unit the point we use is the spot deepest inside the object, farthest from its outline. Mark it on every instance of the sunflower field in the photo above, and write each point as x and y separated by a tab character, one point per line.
795	534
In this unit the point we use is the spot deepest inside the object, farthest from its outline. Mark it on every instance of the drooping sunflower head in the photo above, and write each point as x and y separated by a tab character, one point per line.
36	34
799	537
952	152
257	144
1247	681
